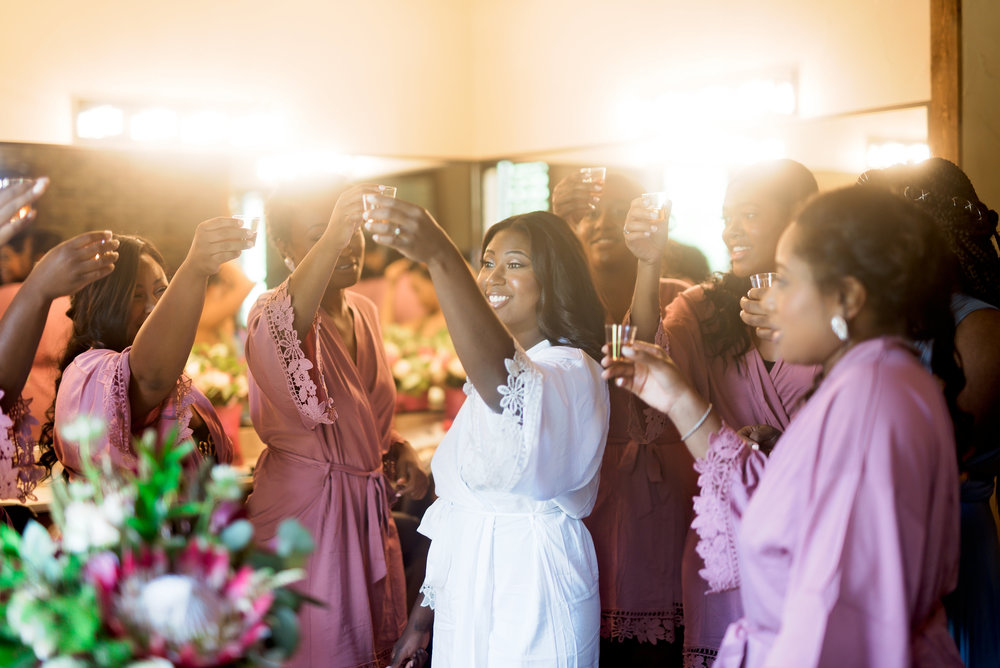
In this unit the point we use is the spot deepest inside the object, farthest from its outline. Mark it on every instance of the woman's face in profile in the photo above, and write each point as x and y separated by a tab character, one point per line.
508	280
800	311
150	284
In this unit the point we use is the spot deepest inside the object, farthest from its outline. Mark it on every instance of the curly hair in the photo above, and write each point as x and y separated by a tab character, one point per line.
790	184
943	190
100	313
569	310
896	251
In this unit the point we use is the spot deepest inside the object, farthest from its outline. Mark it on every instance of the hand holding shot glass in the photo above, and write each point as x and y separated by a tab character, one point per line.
250	224
617	336
593	177
753	311
763	280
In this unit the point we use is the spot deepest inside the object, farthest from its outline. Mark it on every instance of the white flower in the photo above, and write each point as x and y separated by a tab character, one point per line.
64	662
82	429
177	607
88	526
152	662
192	369
435	396
455	368
32	629
213	378
402	368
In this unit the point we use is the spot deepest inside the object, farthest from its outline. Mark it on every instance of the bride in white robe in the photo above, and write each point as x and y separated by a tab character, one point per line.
511	573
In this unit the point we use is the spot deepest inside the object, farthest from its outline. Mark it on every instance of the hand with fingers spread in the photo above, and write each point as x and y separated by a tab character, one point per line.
408	228
216	241
754	313
649	373
572	198
13	199
646	231
73	264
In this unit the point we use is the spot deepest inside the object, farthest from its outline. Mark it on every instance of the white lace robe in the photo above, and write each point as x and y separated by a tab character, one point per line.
511	573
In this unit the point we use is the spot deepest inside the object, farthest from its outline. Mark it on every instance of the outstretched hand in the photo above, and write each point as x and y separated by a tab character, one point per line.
648	372
13	199
407	227
572	198
73	264
646	233
217	241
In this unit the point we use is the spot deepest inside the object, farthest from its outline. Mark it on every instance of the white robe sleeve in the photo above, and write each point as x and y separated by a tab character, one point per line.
548	440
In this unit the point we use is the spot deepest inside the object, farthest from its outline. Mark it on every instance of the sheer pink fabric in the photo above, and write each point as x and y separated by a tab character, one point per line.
326	420
96	383
849	539
743	392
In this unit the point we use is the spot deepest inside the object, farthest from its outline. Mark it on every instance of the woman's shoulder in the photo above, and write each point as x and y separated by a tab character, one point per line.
96	357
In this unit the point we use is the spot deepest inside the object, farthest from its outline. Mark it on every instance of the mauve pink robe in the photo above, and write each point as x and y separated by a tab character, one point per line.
743	392
641	518
96	383
847	541
327	421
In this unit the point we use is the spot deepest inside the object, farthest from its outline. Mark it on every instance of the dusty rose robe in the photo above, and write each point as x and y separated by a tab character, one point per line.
40	386
641	518
327	421
743	392
96	383
850	536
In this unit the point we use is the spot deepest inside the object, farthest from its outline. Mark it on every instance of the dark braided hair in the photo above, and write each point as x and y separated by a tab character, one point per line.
788	182
896	251
100	313
569	310
943	190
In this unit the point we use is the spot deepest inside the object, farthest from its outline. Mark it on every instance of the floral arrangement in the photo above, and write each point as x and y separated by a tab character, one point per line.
218	372
149	570
423	365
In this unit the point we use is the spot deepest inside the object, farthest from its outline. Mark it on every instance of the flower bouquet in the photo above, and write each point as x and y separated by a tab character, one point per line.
424	367
219	372
148	570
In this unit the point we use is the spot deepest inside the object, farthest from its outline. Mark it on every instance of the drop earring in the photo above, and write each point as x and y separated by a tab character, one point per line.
839	327
290	264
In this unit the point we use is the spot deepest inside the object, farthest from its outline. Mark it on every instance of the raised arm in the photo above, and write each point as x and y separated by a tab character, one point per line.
312	273
163	343
482	342
62	271
646	237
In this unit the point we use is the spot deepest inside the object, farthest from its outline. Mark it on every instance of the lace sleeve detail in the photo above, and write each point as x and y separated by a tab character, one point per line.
18	472
497	454
116	405
714	520
279	316
183	400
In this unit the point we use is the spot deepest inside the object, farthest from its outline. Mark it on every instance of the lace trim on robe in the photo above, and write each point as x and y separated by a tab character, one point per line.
280	317
713	516
644	627
19	475
115	399
183	402
497	454
699	657
430	596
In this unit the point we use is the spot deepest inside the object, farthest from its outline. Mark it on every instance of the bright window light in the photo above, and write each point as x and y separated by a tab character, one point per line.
257	130
153	125
887	153
100	122
205	128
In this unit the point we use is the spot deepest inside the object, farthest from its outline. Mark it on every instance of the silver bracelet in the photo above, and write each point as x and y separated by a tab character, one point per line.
697	425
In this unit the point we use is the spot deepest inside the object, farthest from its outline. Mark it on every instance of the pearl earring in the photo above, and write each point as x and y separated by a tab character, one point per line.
839	327
290	264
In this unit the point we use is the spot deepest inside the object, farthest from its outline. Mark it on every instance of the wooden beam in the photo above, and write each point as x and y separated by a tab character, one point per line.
944	117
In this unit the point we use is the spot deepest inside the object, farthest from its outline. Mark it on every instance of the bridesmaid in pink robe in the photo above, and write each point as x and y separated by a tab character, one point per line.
132	334
62	271
723	358
322	399
845	544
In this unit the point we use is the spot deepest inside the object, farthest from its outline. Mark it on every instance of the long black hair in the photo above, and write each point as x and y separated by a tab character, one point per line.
569	310
790	184
100	313
898	253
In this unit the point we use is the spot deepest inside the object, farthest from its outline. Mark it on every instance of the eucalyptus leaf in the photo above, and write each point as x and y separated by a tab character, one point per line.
294	540
237	535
